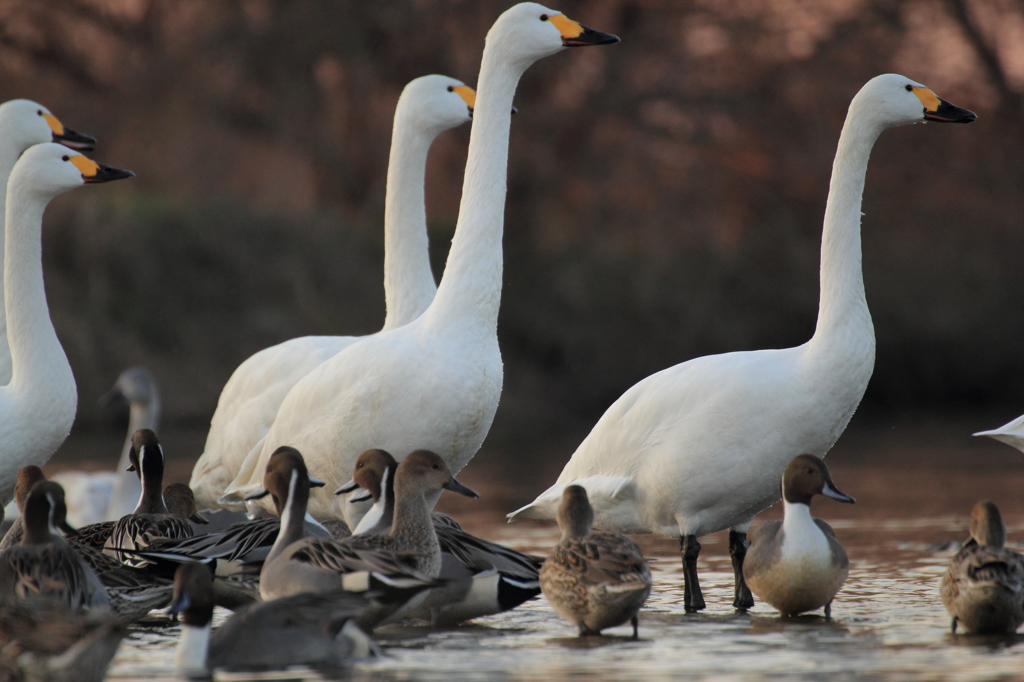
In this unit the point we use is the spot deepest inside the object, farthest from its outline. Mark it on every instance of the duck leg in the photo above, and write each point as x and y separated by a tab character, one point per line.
828	610
693	600
742	598
952	627
635	621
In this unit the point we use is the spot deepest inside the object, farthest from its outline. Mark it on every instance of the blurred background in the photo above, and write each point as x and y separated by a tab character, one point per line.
665	195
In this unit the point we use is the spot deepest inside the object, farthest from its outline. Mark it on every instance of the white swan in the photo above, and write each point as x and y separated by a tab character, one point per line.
1012	433
434	383
38	406
699	447
24	123
95	496
249	402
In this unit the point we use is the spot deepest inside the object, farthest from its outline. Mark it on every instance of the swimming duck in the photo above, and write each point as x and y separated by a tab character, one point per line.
305	629
43	563
151	517
435	382
428	106
481	577
44	640
593	579
299	564
796	564
696	448
983	588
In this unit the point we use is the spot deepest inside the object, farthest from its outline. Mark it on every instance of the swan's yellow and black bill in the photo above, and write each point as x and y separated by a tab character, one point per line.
66	136
97	172
467	94
575	34
938	109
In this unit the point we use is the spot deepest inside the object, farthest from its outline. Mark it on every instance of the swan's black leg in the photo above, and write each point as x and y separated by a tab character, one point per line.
742	598
693	600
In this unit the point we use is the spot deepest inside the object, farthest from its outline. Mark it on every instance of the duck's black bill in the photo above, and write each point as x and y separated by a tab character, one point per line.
75	140
590	37
106	174
347	488
457	487
950	113
259	494
316	483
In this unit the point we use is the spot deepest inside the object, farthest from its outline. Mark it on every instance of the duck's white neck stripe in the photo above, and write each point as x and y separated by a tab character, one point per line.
190	659
289	504
371	520
801	535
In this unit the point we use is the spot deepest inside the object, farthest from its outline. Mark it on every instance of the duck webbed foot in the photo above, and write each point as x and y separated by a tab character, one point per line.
742	598
693	600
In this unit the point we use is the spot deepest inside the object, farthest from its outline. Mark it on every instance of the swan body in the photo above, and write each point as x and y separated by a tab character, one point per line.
38	406
24	123
699	447
250	400
1012	433
433	384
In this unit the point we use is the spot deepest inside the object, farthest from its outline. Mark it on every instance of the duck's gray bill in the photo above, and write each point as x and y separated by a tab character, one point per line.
830	490
457	487
347	488
258	494
362	497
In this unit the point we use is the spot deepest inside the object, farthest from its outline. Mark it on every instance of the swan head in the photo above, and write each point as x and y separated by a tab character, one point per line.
433	104
26	123
530	31
136	385
894	100
52	169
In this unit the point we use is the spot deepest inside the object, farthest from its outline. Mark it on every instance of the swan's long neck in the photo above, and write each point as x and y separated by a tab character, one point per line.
470	290
843	308
408	281
37	358
9	152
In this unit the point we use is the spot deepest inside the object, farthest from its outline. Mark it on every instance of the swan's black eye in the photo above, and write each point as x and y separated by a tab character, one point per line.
543	17
910	88
65	158
451	88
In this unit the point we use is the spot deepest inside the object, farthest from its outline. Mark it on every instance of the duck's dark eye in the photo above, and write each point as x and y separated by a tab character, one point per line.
910	88
39	112
451	88
810	471
436	467
543	17
65	158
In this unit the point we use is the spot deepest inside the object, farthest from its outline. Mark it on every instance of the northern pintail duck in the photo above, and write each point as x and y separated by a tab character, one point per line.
151	518
482	577
181	502
304	629
796	564
299	564
593	579
983	588
44	564
28	476
44	640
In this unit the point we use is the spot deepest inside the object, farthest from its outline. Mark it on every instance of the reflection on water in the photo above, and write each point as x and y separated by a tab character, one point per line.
914	493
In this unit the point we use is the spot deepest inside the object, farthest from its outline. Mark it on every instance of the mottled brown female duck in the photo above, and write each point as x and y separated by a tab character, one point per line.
593	579
796	564
983	588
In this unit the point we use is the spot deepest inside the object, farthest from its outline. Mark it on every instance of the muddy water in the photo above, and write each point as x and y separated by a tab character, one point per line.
914	488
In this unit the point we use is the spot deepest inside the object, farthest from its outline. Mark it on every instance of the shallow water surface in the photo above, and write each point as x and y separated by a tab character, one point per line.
914	493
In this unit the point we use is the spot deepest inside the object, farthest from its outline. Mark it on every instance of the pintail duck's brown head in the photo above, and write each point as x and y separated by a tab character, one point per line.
45	514
283	465
181	502
193	594
807	476
28	476
369	473
575	515
987	525
423	472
